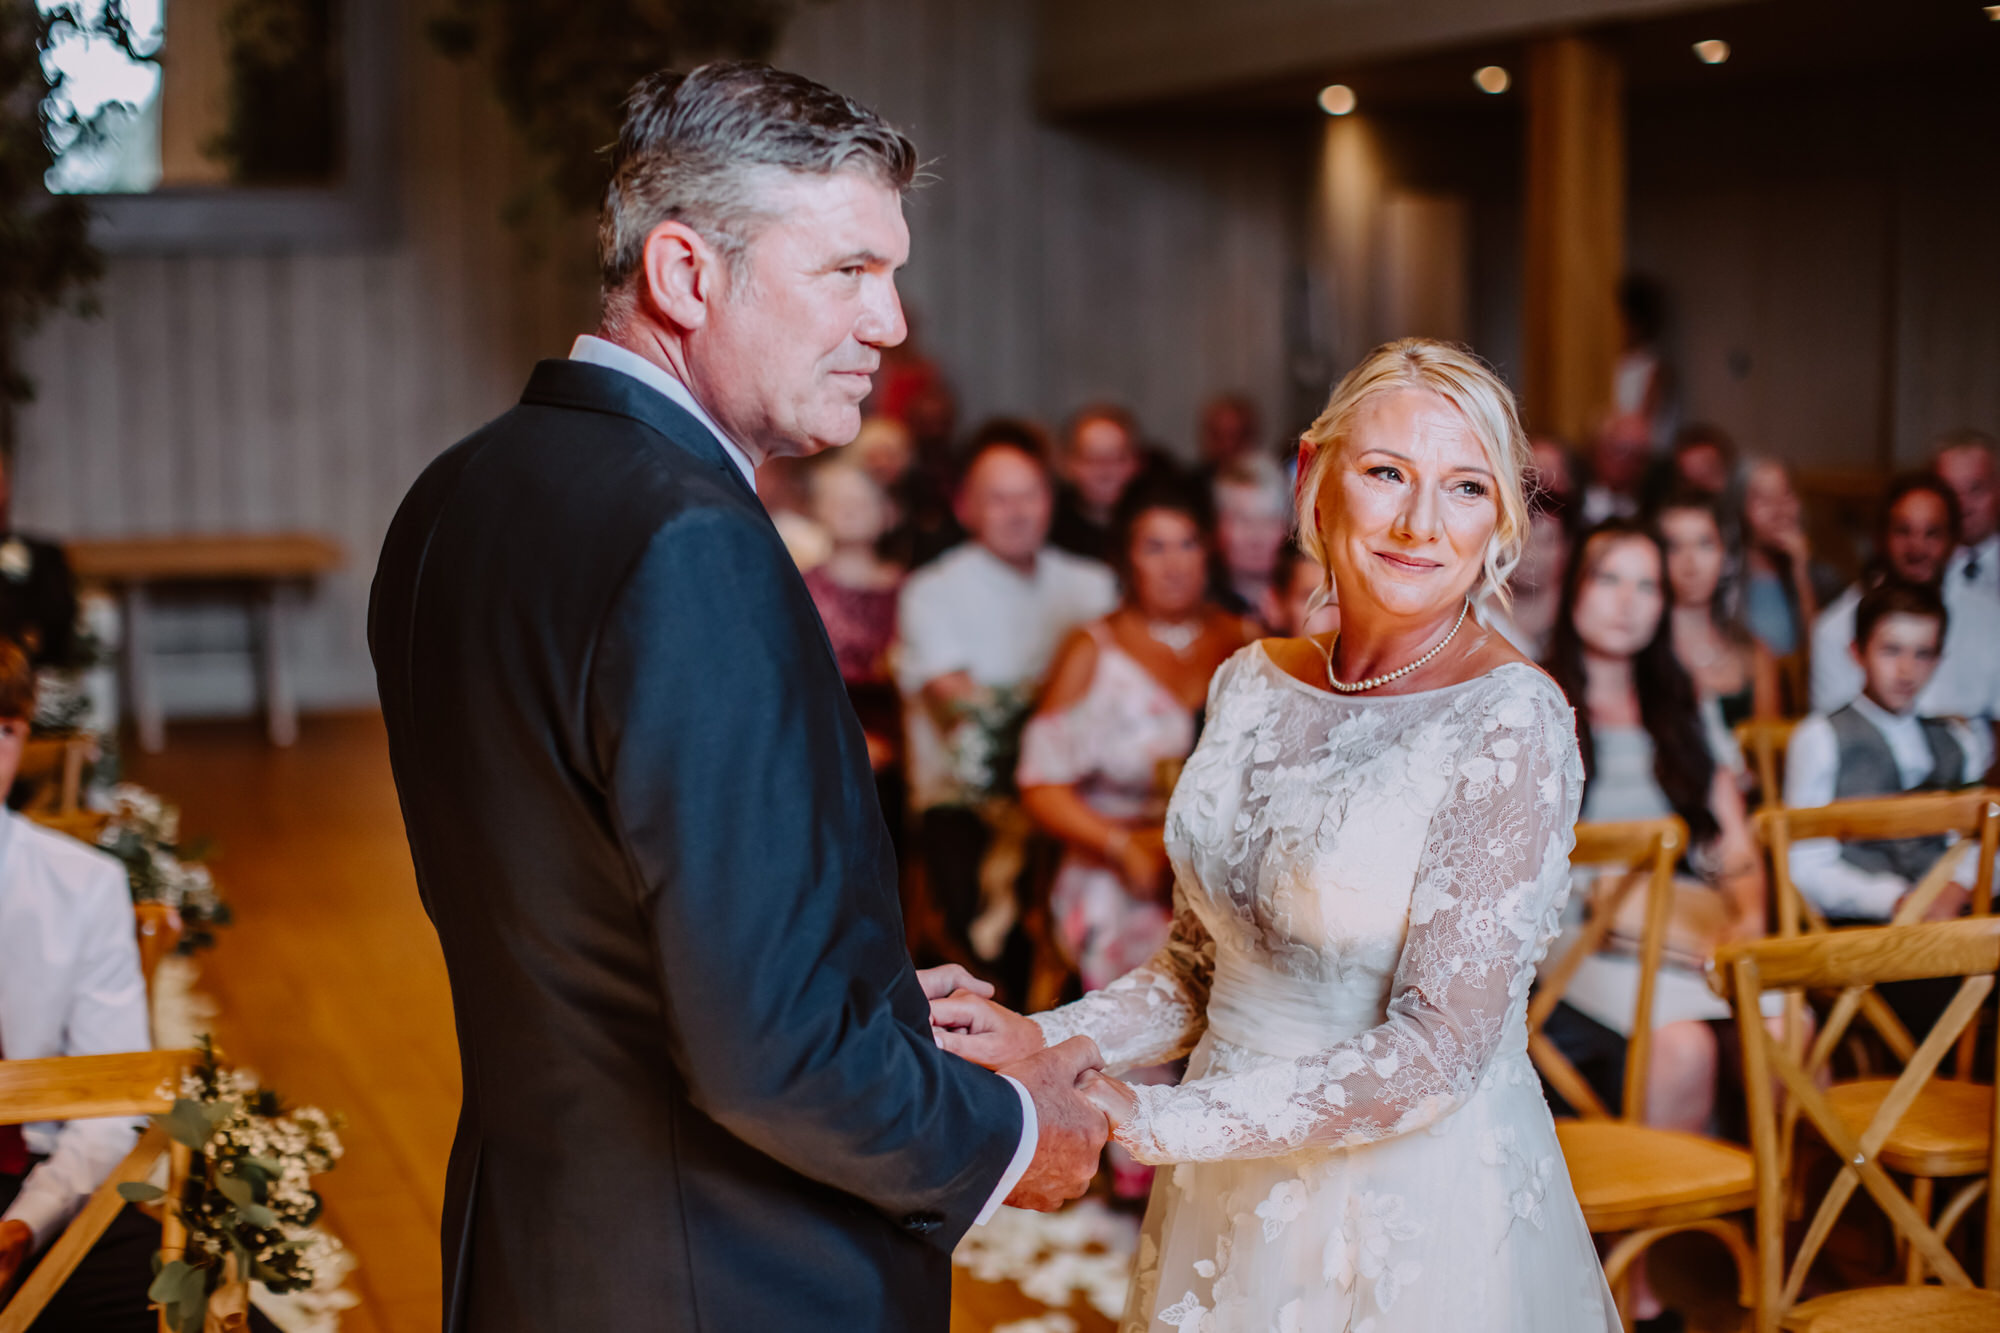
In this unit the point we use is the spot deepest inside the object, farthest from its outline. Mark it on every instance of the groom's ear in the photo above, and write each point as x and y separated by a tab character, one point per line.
681	274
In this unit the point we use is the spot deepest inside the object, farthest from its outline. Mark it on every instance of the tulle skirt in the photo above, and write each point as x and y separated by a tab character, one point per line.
1469	1225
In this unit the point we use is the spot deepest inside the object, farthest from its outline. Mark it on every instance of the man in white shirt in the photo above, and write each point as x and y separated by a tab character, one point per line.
1919	532
976	630
69	985
1881	745
1966	462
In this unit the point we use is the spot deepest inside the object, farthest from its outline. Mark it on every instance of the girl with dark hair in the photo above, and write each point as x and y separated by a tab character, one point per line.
1734	675
1647	754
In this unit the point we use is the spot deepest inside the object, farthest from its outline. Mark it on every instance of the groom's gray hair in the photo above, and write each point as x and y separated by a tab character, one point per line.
691	147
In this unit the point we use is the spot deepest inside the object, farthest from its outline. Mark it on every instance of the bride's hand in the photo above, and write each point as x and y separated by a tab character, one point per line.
984	1032
1108	1095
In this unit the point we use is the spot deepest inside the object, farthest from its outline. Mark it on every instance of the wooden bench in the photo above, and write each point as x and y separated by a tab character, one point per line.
266	569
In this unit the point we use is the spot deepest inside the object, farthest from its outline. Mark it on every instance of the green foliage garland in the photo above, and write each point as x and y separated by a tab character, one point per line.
248	1201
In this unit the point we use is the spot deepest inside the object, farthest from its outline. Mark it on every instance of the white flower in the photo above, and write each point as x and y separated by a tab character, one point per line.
1284	1205
1186	1313
1291	1318
16	560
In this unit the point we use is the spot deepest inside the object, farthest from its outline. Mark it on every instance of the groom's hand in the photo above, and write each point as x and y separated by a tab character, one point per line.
1072	1130
939	982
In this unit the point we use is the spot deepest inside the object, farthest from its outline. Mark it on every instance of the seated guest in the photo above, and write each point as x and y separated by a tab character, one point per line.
1098	459
885	451
1880	745
1228	432
1122	702
1300	602
1646	754
1253	513
1735	676
782	486
1965	461
1536	584
37	590
1704	460
1619	457
855	590
976	631
69	985
1783	586
1919	531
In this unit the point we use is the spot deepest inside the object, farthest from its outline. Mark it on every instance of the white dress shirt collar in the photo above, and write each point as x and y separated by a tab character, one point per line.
1883	720
1988	554
597	351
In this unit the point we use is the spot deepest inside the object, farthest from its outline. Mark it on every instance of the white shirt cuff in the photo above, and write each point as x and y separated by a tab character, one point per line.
1031	1133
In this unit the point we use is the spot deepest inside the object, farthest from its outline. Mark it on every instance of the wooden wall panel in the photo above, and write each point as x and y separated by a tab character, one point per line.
1142	261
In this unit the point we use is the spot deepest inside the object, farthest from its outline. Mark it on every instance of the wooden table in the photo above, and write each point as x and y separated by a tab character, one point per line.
266	568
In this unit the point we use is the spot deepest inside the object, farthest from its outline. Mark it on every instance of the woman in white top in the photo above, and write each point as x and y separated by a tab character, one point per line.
1370	852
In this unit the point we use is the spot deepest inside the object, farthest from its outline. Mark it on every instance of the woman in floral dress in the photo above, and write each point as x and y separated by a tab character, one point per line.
1370	851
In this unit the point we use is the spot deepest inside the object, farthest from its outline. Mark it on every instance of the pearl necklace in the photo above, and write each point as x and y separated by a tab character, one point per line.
1369	684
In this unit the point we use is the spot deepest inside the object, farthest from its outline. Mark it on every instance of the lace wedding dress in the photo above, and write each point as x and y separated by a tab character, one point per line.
1364	887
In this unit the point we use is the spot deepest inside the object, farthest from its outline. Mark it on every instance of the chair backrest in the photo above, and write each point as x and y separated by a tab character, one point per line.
1843	960
1651	847
80	1087
1972	814
1763	741
58	762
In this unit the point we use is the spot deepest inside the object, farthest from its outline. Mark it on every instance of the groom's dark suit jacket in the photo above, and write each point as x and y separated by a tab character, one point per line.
700	1087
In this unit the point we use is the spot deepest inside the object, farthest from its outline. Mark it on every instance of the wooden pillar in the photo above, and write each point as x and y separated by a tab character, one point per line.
1575	230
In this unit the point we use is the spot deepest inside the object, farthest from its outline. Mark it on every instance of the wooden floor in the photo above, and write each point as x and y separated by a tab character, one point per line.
331	986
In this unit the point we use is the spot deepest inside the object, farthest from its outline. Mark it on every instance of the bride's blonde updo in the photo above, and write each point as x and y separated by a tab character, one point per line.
1460	378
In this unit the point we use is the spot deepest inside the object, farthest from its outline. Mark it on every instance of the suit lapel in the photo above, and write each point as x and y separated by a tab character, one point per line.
590	388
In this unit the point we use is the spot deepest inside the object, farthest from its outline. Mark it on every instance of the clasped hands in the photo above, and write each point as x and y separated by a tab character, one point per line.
1076	1106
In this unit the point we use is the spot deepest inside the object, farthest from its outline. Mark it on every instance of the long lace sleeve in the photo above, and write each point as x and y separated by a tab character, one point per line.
1489	888
1153	1013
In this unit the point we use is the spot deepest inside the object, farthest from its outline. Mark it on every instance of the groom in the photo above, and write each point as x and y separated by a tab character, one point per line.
701	1090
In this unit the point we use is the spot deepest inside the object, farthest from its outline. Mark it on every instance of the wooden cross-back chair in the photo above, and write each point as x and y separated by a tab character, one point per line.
1763	741
82	1087
1633	1180
1844	960
1946	1132
56	764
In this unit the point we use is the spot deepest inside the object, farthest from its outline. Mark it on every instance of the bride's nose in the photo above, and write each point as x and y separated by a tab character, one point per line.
1417	518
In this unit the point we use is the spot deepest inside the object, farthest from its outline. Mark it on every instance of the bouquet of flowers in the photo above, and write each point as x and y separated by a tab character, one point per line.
144	833
248	1204
985	742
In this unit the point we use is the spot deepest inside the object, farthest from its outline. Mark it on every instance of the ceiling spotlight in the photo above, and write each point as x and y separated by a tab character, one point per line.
1336	99
1993	12
1491	79
1711	52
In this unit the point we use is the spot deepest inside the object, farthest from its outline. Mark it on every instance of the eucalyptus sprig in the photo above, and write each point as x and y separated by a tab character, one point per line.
248	1196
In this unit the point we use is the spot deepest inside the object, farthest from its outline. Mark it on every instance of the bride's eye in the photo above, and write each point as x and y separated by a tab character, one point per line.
1472	489
1385	472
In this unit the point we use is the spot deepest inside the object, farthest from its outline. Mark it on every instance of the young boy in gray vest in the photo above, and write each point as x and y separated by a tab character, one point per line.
1879	746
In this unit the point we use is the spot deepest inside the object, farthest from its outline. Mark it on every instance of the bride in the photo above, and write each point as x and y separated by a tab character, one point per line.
1370	849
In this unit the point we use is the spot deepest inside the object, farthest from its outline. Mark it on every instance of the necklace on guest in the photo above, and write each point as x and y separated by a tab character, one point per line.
1175	636
1373	681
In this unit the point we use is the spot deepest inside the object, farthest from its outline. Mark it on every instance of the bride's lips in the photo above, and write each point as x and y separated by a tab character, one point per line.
1415	564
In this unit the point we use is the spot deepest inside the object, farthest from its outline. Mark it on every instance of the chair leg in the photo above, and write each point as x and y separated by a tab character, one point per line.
1920	1199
